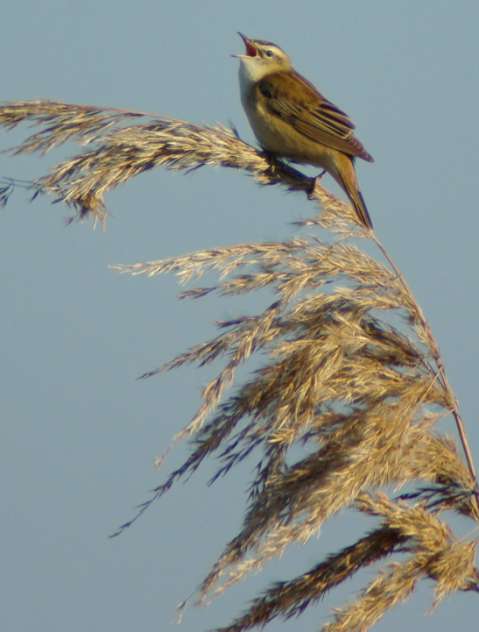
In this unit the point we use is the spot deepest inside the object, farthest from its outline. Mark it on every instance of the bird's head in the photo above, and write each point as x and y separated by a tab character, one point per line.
262	58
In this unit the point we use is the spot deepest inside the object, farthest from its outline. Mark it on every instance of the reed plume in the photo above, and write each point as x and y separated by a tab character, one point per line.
349	369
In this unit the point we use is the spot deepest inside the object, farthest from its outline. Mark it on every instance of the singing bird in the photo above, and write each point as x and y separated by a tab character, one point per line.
292	120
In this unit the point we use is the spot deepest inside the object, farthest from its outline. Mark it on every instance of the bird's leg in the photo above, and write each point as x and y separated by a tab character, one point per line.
271	158
314	182
278	167
276	164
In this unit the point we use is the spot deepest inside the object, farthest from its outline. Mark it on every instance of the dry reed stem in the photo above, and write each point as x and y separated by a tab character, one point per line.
349	368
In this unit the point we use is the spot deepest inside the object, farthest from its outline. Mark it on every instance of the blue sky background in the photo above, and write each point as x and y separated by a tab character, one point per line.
79	434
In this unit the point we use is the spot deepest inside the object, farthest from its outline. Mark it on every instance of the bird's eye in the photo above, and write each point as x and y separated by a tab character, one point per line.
269	53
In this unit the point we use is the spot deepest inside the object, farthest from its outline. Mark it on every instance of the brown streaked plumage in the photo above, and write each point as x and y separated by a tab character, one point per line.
292	120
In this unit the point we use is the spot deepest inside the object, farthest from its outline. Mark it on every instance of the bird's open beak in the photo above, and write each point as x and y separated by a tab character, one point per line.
250	47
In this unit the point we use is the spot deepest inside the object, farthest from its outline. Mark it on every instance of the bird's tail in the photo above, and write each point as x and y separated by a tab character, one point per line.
361	208
346	176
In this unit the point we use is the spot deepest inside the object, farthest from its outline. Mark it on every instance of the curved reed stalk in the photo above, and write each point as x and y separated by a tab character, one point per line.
350	369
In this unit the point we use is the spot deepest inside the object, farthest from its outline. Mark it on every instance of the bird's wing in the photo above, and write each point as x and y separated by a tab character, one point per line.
294	99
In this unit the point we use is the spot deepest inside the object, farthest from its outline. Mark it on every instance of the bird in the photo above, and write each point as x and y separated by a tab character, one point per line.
291	119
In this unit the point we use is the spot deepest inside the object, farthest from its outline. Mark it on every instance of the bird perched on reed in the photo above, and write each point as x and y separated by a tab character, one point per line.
292	120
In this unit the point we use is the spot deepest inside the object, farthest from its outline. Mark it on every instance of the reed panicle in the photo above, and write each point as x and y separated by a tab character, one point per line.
121	151
348	367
